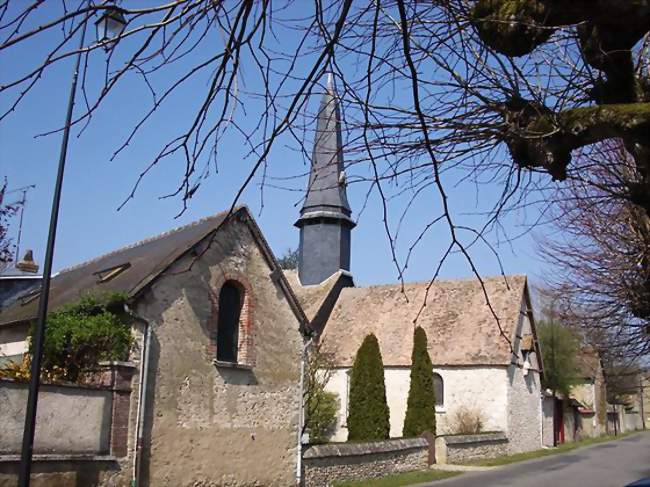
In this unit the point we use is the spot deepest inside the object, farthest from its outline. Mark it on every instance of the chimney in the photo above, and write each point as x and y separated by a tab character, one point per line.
27	264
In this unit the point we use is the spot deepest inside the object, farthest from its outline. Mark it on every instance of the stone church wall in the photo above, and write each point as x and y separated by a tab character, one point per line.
524	395
213	424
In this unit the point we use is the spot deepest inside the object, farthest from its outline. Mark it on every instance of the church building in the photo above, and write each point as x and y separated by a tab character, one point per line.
484	351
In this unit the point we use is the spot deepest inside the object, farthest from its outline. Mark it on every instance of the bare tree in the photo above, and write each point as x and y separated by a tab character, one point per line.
289	259
7	210
599	254
433	93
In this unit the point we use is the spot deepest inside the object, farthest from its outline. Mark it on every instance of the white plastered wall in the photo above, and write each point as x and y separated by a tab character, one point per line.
483	388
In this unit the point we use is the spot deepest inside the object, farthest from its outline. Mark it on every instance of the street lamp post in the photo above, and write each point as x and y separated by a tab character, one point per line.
116	26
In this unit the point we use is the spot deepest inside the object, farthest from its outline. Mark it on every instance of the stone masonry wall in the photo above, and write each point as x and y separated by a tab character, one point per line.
60	409
524	394
325	464
210	423
461	448
81	433
525	414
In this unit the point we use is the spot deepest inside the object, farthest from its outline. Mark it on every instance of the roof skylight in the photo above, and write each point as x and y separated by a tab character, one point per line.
111	273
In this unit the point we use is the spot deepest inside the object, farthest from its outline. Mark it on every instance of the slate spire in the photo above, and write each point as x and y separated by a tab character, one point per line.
326	190
325	221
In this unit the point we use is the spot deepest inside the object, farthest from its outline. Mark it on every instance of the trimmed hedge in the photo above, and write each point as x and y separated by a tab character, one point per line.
368	416
421	409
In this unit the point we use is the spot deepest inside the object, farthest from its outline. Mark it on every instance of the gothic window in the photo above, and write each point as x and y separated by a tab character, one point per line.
438	388
230	308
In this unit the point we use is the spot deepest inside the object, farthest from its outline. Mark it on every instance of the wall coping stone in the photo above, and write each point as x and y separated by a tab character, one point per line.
70	385
60	457
116	363
478	438
369	448
105	380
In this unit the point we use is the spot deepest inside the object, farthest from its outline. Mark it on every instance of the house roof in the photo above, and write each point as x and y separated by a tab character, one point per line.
13	272
460	326
146	260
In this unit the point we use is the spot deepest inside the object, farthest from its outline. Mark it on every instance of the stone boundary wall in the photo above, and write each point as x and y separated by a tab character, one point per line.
461	448
325	464
71	419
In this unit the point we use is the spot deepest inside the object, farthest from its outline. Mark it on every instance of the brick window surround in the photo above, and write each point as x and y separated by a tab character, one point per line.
246	332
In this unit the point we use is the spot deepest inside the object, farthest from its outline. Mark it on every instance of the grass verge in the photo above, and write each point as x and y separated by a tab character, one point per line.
565	447
396	480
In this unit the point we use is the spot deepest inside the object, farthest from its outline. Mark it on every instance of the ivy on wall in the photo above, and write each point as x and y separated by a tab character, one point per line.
78	336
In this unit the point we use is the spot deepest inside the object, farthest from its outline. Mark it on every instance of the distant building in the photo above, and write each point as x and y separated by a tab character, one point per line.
591	394
583	414
16	281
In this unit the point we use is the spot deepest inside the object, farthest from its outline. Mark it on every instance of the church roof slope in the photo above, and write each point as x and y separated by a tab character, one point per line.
460	326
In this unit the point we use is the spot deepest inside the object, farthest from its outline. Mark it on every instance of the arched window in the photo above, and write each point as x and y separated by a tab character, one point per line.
439	390
230	307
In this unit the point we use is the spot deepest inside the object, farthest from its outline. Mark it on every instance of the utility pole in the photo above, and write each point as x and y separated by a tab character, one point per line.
39	332
642	410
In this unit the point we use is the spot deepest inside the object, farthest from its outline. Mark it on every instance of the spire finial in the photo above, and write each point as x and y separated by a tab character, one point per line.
325	191
330	82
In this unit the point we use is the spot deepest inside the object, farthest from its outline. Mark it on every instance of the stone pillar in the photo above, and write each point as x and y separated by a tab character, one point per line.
117	377
431	440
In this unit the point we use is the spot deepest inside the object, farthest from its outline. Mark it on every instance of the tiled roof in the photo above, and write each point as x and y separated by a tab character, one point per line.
461	328
146	260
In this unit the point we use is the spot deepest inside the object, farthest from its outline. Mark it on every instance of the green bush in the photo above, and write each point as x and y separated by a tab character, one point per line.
80	335
421	408
560	348
368	416
322	408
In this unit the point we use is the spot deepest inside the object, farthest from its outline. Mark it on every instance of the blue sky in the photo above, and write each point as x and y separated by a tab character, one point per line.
94	186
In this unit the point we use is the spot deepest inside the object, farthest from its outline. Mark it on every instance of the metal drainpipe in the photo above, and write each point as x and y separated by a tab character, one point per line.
301	416
142	394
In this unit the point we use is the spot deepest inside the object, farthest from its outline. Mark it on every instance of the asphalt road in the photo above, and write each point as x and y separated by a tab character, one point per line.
611	464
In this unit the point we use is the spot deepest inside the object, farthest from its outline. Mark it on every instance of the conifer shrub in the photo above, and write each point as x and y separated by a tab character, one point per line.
368	416
421	408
